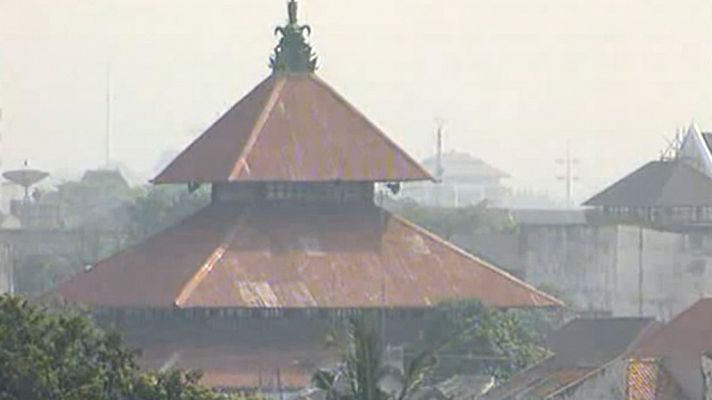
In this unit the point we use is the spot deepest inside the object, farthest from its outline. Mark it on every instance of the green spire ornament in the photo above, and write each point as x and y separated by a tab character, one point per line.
293	55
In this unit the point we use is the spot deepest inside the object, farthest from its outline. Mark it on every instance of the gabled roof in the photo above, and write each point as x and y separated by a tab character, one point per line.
292	127
695	150
658	184
458	165
707	136
586	342
580	348
296	257
690	332
681	344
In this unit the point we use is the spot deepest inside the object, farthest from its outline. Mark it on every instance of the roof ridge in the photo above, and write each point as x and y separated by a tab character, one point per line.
594	371
378	130
202	272
648	331
484	263
276	92
159	178
667	326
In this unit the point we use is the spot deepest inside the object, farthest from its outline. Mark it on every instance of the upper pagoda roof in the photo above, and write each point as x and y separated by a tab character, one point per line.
292	127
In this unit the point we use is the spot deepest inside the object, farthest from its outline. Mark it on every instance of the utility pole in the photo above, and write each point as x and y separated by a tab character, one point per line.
641	275
569	163
2	132
439	169
440	131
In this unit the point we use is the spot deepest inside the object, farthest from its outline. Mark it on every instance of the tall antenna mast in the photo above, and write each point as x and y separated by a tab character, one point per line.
2	134
440	131
569	178
107	121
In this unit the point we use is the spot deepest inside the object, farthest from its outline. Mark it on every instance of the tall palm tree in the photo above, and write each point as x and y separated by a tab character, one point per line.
362	371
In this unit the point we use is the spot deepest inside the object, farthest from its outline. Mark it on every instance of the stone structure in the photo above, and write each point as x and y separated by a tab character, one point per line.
644	247
292	241
597	268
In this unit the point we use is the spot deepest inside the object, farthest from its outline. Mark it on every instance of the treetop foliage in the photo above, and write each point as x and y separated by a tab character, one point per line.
62	355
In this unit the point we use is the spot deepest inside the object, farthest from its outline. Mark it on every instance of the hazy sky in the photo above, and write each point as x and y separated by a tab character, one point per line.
514	79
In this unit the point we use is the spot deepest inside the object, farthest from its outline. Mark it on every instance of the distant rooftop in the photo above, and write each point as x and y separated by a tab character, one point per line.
658	184
587	342
105	177
464	166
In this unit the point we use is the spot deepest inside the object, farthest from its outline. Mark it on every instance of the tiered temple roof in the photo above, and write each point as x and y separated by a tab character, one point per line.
266	243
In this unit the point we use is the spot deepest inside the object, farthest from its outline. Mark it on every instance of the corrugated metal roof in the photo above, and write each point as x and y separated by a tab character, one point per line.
559	380
296	257
225	367
658	184
292	128
234	352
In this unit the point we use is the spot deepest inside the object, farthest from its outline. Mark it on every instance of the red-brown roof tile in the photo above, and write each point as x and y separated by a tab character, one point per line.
690	332
681	343
292	128
296	257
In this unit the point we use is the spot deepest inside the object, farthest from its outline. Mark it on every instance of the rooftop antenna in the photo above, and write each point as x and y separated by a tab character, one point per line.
569	178
25	177
674	145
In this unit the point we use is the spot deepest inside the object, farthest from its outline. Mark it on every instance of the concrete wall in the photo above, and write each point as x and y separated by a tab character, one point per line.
676	271
6	270
596	268
17	245
578	260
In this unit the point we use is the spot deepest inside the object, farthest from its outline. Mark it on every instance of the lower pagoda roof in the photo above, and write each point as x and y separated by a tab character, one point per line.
297	257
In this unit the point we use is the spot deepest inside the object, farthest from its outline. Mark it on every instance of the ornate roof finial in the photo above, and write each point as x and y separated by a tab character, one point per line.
292	10
293	54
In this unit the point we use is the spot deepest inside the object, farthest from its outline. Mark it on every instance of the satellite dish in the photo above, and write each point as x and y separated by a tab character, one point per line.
25	178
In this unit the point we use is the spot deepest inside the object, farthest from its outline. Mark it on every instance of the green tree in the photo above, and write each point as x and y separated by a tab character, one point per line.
448	222
52	355
159	207
362	369
482	340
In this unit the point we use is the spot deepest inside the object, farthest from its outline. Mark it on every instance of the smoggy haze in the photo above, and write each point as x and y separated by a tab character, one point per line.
515	79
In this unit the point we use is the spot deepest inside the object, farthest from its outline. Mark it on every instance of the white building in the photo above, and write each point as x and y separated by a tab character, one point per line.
465	180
